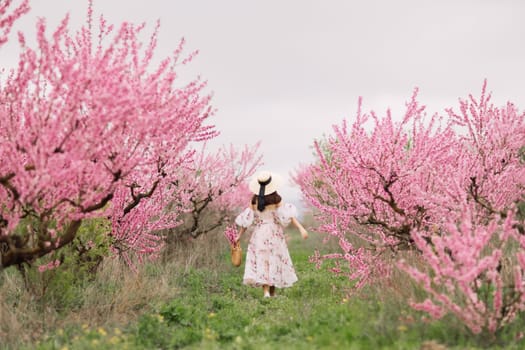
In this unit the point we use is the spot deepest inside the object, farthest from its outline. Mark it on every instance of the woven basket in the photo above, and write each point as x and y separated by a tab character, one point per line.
236	254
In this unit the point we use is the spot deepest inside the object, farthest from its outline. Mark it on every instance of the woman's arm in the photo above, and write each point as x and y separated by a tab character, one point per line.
241	231
303	232
247	221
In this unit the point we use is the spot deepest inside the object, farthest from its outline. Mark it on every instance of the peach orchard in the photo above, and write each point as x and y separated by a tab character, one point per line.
91	127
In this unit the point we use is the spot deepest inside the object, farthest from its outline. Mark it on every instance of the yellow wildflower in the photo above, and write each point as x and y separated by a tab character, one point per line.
114	340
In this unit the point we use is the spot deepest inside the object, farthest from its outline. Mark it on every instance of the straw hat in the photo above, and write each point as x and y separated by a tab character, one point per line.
274	182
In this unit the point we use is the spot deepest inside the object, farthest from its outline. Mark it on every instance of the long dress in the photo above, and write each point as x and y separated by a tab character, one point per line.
267	258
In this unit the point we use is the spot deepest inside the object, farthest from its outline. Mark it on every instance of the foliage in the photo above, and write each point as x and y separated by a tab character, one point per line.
85	119
211	309
447	189
475	272
211	188
216	186
61	274
205	192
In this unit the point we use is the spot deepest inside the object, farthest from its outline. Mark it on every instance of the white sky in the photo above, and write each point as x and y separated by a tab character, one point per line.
285	71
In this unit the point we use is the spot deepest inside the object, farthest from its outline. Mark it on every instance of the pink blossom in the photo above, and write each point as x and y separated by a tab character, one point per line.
8	16
443	188
203	184
231	234
89	124
49	266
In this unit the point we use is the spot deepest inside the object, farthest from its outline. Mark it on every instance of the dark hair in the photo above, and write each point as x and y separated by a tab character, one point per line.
272	198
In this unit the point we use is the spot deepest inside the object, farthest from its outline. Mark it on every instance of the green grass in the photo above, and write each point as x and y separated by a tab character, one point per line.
211	309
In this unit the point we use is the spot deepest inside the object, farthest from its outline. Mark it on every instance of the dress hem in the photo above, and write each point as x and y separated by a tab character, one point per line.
253	283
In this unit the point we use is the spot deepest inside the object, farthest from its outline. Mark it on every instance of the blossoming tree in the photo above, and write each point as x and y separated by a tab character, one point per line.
199	198
446	190
85	119
215	186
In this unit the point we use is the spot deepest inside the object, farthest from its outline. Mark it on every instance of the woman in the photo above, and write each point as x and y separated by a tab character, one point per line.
268	262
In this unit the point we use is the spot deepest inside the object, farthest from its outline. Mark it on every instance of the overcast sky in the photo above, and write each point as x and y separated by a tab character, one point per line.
285	71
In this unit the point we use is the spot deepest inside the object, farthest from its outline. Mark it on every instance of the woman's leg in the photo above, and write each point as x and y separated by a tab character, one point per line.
272	291
266	291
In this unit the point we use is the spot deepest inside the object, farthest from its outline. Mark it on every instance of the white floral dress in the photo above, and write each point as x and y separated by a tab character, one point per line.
267	258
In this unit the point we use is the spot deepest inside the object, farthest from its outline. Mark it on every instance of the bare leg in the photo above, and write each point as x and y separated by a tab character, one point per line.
266	290
272	291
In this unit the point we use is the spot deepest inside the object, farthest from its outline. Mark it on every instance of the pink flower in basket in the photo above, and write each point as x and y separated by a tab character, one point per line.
231	234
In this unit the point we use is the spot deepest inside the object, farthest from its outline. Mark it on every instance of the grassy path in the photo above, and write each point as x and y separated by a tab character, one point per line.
211	309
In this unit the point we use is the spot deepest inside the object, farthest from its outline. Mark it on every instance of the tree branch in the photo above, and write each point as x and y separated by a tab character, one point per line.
4	181
16	254
137	198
